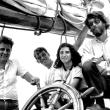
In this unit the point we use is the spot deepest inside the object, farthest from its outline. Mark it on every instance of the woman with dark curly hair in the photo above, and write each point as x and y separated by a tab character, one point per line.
66	66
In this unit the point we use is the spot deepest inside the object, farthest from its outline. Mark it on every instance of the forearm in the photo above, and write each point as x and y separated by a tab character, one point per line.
81	37
75	82
30	78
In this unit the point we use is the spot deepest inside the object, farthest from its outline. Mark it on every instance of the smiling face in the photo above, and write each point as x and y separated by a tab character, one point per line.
5	51
65	55
42	57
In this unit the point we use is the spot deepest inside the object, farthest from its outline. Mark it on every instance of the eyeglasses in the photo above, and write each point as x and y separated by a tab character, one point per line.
93	21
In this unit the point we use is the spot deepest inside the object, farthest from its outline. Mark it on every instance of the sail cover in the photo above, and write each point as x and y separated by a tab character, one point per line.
63	11
74	11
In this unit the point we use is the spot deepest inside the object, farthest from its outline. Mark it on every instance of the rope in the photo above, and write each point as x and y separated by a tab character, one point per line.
2	30
38	29
65	27
62	38
64	32
53	22
54	19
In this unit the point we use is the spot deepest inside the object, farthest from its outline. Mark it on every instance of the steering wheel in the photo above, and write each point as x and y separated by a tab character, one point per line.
58	96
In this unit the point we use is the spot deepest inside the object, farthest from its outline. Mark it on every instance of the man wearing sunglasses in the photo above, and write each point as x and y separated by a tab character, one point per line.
96	56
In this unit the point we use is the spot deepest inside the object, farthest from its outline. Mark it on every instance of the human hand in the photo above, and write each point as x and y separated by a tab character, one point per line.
35	81
98	60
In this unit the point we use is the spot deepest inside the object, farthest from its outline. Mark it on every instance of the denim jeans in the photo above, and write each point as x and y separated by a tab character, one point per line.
8	104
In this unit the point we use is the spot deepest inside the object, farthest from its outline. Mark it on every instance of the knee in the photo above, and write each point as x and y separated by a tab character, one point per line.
88	65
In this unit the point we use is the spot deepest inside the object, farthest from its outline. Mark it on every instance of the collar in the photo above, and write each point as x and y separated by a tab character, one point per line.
98	41
6	66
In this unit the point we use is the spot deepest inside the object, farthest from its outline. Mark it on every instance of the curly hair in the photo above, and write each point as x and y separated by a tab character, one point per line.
75	56
96	14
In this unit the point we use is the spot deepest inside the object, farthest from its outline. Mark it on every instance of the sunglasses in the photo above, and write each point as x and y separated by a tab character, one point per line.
93	21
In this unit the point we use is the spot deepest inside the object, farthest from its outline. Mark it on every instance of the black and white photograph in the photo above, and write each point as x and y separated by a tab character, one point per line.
54	54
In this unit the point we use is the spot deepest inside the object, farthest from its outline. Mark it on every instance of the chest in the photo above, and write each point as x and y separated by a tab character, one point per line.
8	74
99	49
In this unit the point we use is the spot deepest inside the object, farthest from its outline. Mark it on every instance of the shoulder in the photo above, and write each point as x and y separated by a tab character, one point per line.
77	69
87	43
13	61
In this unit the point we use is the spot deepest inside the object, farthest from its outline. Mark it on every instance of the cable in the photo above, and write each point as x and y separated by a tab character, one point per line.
2	30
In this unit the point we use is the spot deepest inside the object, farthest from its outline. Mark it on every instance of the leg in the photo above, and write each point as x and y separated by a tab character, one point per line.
92	76
100	101
94	79
106	79
88	102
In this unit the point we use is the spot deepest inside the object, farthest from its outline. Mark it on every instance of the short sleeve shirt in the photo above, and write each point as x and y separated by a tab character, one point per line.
8	79
61	74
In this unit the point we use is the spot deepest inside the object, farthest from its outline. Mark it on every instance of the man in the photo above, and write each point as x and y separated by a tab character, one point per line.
9	70
96	56
42	56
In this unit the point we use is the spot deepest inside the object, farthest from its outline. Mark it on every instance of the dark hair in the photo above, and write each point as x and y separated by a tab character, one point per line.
75	56
6	40
96	14
39	50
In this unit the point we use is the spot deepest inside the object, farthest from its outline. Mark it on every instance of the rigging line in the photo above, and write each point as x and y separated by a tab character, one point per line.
65	29
53	19
39	30
3	30
65	26
62	38
38	24
49	29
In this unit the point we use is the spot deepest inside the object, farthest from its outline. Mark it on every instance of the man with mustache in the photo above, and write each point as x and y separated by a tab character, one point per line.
96	56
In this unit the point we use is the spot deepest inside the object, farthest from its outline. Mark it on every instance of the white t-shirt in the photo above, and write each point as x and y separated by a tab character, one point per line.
61	74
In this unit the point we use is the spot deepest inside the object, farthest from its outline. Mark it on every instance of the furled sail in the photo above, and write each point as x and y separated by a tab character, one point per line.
57	16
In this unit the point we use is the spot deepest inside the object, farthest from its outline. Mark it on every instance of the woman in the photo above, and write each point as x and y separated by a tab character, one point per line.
66	66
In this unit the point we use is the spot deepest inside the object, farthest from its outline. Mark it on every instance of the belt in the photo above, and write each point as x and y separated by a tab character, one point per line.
5	104
7	100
